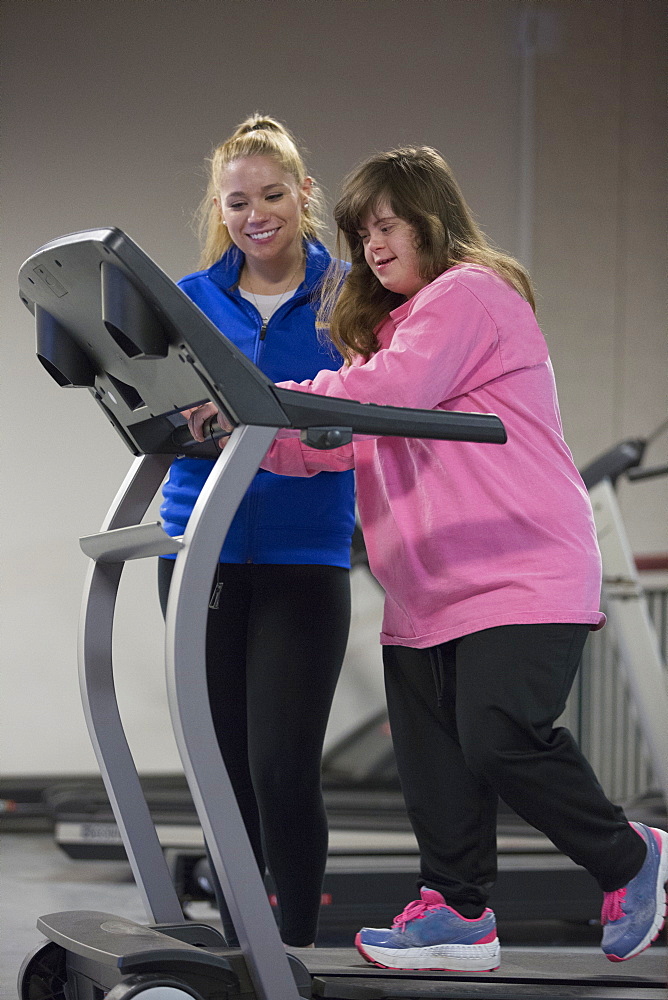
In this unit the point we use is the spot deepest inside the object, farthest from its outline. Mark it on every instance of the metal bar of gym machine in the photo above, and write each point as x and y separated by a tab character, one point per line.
109	320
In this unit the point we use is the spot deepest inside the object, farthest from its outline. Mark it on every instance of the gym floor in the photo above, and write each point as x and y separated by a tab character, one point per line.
38	878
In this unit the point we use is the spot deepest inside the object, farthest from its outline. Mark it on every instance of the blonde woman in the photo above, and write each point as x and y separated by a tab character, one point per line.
280	604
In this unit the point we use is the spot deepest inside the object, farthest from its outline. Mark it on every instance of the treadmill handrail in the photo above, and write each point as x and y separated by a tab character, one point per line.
305	410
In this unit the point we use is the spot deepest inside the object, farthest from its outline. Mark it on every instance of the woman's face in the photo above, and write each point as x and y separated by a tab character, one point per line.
261	204
391	252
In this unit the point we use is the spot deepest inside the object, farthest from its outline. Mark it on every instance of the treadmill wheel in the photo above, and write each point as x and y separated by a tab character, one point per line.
153	987
43	975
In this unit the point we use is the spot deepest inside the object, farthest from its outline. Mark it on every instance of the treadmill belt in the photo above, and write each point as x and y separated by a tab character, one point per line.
548	974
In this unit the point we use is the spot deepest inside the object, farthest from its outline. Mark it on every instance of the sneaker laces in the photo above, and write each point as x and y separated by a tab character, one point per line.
414	911
612	906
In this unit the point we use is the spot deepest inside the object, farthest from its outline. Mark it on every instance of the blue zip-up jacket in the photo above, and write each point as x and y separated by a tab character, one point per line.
282	519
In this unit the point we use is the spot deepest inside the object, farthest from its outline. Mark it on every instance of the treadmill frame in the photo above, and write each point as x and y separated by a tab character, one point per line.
145	352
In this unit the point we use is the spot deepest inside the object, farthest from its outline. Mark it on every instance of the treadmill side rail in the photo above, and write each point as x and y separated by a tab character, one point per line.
122	944
137	541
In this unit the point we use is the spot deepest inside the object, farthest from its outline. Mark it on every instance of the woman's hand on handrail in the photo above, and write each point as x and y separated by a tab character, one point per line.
199	419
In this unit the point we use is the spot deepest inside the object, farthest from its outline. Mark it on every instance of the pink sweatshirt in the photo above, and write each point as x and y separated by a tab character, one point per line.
463	536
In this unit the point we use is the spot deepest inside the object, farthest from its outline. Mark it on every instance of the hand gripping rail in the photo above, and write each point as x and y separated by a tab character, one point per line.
109	320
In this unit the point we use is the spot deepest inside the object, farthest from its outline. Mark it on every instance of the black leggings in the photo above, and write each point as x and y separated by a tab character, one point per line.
274	650
472	719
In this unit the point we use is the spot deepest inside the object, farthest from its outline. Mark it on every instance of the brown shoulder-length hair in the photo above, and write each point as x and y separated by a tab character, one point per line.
258	135
421	189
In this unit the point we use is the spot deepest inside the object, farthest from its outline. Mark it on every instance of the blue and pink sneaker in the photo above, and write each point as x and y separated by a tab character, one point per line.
632	917
429	934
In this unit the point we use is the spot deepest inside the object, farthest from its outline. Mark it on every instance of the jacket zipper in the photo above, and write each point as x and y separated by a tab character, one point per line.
252	493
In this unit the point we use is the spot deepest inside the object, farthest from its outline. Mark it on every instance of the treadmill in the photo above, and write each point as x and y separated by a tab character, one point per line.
109	320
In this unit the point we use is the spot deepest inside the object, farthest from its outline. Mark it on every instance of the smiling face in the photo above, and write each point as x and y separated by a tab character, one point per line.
261	204
390	250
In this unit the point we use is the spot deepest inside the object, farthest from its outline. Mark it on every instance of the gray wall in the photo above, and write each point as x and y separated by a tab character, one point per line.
551	115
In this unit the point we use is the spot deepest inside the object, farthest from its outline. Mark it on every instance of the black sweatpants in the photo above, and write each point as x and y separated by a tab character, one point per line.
473	719
274	649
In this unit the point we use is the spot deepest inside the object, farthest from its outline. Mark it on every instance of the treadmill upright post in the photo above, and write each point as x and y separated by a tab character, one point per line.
210	786
98	695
